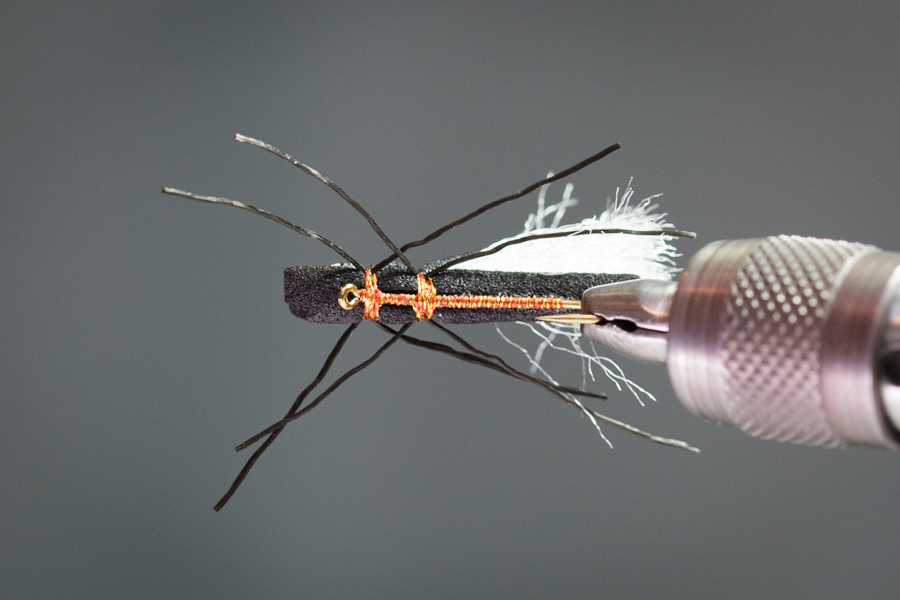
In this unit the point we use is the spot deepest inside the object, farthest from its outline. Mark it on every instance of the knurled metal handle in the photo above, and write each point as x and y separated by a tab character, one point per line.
781	337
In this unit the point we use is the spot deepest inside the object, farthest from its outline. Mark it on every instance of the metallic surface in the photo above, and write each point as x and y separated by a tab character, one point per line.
348	297
643	302
784	338
853	347
890	361
643	345
698	308
634	317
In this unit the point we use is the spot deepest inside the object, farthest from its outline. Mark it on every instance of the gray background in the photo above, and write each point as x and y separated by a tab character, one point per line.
144	336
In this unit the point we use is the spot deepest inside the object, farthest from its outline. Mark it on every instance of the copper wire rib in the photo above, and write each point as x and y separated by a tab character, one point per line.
426	299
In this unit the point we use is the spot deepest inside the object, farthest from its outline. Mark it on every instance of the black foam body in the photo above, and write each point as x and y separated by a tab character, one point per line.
312	292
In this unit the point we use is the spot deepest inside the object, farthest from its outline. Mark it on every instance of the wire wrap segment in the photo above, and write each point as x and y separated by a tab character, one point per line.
426	299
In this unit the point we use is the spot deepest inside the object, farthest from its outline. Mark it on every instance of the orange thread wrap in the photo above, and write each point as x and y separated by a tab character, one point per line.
426	299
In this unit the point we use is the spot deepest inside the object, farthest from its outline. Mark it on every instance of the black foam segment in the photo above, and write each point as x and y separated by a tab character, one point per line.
312	292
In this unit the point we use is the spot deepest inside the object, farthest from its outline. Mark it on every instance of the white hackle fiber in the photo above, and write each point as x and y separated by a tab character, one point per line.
648	257
645	256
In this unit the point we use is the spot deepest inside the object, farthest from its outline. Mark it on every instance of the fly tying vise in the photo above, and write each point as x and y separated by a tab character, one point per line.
394	292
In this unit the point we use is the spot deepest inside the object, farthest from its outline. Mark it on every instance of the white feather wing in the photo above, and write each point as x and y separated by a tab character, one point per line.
641	255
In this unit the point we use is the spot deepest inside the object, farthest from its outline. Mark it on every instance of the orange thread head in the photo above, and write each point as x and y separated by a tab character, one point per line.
371	296
426	298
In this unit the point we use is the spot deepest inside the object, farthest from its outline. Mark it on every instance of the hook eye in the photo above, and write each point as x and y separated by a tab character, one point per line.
349	296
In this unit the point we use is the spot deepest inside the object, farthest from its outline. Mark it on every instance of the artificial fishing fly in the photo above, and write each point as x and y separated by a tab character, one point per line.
542	271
